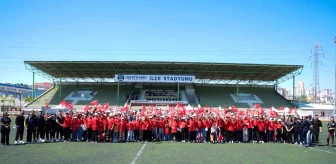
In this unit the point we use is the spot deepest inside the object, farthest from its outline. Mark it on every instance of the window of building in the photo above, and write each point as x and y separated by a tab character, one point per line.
322	114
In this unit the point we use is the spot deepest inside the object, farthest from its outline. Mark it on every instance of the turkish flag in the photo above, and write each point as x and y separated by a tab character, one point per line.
295	110
179	104
106	106
86	108
274	114
256	106
240	113
69	106
123	109
63	103
46	105
93	103
234	109
281	108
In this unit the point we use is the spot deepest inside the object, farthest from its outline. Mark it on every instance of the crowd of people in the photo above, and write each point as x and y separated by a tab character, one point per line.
162	95
125	126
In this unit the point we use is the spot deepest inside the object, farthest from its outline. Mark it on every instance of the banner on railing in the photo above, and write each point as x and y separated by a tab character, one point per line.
155	78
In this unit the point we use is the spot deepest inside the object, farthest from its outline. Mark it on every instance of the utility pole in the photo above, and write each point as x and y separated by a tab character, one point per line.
315	64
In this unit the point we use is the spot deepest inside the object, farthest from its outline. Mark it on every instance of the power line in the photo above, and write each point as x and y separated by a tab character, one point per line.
165	50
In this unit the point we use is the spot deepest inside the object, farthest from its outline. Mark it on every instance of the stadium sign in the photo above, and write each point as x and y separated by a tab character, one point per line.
155	78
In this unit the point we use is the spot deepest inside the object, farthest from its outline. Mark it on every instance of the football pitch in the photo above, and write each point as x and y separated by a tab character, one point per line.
165	152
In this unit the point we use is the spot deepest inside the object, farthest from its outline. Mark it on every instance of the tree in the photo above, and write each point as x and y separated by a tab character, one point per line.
3	99
28	99
303	98
12	100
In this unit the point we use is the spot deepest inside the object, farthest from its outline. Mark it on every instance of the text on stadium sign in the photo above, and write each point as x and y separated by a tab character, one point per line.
155	78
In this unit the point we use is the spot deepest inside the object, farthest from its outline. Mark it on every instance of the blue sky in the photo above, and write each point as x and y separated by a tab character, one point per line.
264	32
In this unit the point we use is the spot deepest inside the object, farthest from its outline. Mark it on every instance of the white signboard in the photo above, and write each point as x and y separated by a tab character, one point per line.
155	78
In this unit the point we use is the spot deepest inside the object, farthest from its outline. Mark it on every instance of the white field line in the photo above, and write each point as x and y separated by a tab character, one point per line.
139	153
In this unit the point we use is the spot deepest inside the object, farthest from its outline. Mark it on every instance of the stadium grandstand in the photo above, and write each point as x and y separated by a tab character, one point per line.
140	83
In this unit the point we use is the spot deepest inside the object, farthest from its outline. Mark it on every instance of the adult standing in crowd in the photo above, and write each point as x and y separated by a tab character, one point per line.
59	127
19	122
331	131
317	129
30	126
5	129
41	122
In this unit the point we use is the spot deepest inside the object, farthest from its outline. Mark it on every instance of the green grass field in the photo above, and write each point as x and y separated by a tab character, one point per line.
165	152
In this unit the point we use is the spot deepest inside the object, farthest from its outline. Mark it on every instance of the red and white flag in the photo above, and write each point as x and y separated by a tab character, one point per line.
94	103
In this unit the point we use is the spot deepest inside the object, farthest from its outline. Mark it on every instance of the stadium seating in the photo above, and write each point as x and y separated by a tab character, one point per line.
106	93
215	96
207	95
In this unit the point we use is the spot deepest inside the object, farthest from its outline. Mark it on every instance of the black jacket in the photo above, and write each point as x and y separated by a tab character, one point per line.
19	121
30	122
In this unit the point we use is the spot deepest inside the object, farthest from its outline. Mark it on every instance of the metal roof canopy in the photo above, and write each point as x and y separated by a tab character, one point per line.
104	71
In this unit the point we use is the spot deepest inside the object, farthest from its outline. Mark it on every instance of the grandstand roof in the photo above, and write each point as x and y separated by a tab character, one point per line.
203	71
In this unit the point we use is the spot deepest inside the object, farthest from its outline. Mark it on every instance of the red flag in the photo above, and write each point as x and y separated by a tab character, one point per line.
240	113
106	106
281	108
179	104
256	106
295	110
69	106
274	114
234	109
46	105
220	137
63	103
86	108
93	103
123	109
143	108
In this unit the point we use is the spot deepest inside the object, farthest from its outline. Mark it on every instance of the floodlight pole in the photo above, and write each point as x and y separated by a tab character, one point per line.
293	89
118	94
60	93
33	87
178	91
237	102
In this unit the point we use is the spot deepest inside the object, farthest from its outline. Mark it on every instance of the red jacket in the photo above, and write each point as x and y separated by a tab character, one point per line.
174	126
95	123
271	126
88	122
67	122
75	124
262	126
231	125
